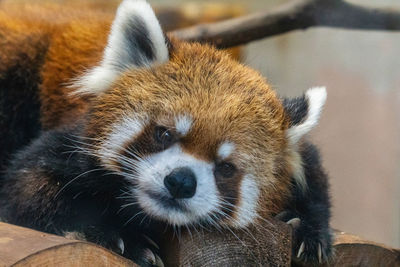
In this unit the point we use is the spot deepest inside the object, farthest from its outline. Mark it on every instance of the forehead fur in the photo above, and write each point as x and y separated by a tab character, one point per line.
224	99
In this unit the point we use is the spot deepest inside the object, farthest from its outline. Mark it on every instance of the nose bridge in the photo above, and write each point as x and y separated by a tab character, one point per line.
184	160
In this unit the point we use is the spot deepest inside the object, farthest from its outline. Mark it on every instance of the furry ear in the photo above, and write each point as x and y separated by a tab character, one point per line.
136	40
304	112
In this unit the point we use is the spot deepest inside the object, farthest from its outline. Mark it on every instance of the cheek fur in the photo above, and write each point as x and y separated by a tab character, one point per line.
240	195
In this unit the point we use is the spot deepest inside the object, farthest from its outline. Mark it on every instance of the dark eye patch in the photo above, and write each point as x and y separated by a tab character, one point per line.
228	178
225	169
151	140
164	136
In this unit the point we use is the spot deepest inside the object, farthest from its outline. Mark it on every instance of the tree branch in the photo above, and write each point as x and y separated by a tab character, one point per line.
295	15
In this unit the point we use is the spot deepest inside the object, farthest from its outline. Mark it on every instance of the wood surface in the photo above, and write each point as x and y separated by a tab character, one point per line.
269	245
25	247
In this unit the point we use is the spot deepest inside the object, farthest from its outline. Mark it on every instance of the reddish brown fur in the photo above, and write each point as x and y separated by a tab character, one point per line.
76	39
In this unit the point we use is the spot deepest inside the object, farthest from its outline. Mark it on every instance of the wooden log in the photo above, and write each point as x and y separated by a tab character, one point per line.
269	245
25	247
266	245
351	250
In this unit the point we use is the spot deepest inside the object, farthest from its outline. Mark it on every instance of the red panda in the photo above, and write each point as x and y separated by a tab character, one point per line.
166	131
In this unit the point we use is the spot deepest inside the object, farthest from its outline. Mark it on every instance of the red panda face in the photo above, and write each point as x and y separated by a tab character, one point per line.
191	135
200	137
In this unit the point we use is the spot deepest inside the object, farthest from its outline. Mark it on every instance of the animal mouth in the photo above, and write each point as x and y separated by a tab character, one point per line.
168	202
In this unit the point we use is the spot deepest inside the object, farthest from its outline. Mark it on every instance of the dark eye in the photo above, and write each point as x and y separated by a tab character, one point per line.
164	136
225	169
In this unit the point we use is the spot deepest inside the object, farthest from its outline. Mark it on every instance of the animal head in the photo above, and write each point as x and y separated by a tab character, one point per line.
199	136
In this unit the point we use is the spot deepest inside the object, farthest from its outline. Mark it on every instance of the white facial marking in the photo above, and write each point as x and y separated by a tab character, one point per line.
247	208
117	54
225	150
183	124
151	172
316	99
123	131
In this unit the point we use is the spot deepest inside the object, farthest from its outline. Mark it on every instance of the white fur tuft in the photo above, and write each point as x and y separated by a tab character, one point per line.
225	150
116	55
183	124
316	98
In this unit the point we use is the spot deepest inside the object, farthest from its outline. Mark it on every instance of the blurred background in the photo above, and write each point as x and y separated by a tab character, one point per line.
359	133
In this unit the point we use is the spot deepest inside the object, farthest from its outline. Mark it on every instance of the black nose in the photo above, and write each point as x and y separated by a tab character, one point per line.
181	183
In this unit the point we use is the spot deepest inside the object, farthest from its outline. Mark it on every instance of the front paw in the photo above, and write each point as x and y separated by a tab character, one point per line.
144	251
312	243
151	259
137	247
312	247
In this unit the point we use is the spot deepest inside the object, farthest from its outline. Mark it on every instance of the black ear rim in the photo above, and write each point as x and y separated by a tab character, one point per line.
296	108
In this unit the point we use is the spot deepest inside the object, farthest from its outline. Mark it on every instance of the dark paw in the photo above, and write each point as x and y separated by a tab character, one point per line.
150	258
102	236
137	247
312	249
312	245
144	251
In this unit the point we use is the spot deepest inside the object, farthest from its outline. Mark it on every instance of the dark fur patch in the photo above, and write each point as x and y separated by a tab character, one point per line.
229	191
52	188
296	108
143	144
21	57
139	46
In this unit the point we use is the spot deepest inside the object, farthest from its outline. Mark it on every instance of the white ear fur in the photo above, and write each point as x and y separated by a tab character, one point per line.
316	98
136	40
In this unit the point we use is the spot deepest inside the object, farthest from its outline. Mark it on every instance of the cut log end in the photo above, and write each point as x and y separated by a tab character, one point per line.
25	247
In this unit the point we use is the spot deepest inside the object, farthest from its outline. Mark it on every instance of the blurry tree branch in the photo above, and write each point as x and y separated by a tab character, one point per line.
294	15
